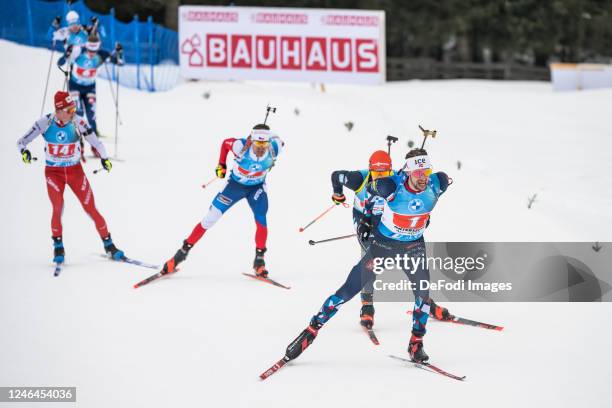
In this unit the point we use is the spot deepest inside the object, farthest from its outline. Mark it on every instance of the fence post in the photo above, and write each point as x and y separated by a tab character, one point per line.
112	37
151	53
137	50
30	27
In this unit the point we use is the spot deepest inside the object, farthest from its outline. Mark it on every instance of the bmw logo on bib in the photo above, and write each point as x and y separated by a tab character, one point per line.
415	204
61	136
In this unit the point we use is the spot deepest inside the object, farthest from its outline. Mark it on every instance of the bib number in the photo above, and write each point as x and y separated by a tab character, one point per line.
61	150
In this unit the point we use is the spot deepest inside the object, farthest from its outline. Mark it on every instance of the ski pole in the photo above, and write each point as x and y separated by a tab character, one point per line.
345	205
98	170
210	182
311	242
110	84
42	107
117	115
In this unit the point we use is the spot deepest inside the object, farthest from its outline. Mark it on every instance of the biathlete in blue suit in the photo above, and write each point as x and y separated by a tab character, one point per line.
254	158
409	197
84	61
379	165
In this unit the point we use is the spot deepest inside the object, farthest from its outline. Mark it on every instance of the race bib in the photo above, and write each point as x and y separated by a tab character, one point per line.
405	224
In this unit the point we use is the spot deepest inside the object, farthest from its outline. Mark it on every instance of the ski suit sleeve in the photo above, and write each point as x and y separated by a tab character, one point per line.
104	55
277	144
89	135
61	61
226	146
344	178
69	58
383	187
39	127
60	34
440	182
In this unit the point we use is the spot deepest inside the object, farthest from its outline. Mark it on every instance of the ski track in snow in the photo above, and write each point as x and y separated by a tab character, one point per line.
202	337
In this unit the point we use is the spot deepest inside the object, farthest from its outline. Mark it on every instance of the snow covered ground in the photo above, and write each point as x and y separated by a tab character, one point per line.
202	337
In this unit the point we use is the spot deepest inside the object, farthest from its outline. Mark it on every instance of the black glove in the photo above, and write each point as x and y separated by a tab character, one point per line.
119	53
26	156
106	164
69	50
56	22
364	229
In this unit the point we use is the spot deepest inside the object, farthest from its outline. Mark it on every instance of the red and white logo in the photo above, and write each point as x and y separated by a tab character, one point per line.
190	46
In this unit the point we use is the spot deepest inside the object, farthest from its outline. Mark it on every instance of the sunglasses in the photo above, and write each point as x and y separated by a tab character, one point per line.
69	110
421	173
261	143
377	174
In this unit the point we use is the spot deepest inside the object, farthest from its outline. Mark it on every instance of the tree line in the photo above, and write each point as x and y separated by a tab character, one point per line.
532	32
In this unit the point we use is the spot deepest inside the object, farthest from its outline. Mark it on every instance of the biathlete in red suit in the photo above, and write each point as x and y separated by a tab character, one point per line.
62	132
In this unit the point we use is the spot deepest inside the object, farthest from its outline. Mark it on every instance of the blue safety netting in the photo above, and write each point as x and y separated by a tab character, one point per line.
150	50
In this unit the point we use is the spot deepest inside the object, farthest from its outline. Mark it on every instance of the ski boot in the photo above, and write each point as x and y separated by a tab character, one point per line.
367	311
180	256
259	264
111	249
439	312
415	349
302	341
58	250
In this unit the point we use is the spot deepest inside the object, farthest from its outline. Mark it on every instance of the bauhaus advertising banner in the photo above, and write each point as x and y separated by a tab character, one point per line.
314	45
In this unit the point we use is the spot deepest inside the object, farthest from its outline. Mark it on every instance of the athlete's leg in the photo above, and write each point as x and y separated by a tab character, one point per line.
258	201
89	100
82	189
360	275
420	315
230	195
56	183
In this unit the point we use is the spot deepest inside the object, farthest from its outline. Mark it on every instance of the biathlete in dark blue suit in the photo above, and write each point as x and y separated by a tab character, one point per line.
409	197
379	165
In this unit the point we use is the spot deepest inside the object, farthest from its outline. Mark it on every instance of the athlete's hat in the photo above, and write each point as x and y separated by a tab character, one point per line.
72	17
261	133
63	100
380	161
420	162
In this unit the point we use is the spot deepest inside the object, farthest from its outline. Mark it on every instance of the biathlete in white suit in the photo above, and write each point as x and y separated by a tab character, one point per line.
254	158
62	132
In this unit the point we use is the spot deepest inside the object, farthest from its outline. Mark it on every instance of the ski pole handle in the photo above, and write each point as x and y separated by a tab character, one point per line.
311	242
345	205
210	182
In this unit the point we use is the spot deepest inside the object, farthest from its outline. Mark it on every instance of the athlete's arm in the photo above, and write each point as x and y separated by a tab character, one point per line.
383	187
39	127
89	135
344	178
277	144
441	182
226	146
104	55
